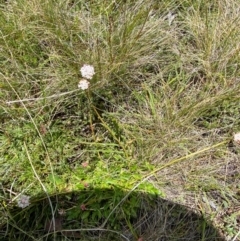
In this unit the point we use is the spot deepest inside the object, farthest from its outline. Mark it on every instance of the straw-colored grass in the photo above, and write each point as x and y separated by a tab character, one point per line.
157	120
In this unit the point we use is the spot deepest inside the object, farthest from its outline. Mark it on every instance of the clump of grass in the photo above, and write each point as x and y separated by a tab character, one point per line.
158	114
213	44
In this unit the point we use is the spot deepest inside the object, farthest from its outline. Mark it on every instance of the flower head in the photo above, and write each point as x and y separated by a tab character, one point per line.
83	84
86	185
23	201
84	164
83	207
87	71
237	138
61	212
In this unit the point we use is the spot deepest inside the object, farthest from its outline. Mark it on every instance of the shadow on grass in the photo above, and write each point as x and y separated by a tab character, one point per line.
107	215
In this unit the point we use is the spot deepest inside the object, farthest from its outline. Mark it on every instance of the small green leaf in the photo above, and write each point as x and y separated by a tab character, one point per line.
85	215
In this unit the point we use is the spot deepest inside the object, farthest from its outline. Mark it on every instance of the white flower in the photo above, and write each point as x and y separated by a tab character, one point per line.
237	138
23	201
83	84
87	71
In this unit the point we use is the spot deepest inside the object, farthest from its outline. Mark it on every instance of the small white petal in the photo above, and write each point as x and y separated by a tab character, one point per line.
237	138
23	201
83	84
87	71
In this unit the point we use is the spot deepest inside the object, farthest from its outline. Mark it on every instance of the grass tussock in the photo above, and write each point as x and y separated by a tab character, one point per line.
157	120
